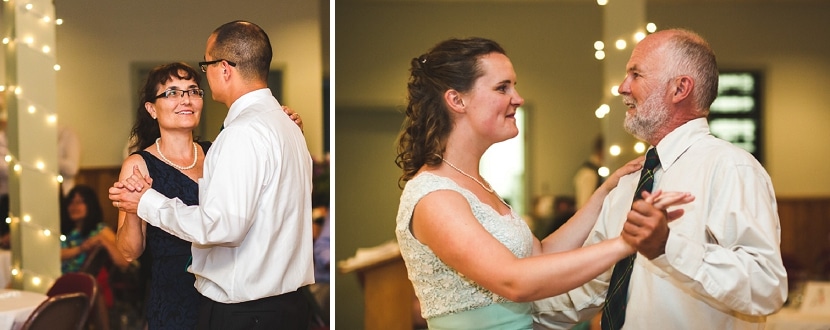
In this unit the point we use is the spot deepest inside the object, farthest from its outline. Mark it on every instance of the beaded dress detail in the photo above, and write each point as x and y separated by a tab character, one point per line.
441	289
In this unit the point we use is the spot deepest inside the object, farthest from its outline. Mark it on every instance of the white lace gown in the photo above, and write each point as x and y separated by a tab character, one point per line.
448	299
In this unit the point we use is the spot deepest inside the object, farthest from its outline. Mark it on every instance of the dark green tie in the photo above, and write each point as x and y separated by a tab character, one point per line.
613	313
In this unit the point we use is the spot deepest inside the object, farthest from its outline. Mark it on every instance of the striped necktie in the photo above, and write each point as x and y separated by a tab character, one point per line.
613	313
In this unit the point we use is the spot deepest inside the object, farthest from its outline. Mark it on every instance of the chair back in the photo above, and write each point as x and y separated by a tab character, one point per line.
73	283
59	312
95	260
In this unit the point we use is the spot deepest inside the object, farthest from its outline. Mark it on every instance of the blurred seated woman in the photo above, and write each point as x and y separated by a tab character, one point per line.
83	226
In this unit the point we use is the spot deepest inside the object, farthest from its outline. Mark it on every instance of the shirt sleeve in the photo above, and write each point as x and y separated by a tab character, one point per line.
738	266
227	196
581	304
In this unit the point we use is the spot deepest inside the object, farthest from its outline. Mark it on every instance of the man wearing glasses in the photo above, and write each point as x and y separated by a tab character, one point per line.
251	233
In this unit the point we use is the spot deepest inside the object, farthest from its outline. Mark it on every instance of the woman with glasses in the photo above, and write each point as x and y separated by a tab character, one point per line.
169	109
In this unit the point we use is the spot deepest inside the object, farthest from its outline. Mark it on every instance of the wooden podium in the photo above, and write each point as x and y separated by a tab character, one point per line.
387	291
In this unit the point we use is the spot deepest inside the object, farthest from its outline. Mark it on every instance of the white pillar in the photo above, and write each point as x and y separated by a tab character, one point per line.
28	35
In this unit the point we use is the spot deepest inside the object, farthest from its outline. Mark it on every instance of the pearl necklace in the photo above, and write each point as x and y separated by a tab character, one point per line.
180	168
486	187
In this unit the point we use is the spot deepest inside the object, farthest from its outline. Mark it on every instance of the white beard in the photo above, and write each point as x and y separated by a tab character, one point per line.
647	117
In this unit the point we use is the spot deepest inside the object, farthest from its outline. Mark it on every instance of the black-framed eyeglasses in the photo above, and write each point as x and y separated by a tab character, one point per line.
179	93
204	65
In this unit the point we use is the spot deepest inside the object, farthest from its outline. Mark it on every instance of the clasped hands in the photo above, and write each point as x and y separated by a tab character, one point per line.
126	193
647	225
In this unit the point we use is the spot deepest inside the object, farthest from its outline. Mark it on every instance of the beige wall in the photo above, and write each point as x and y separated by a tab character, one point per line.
551	48
100	42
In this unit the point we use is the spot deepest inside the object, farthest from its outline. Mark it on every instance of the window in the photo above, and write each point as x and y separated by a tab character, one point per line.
735	116
503	166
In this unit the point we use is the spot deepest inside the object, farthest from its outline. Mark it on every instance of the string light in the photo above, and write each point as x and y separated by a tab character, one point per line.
29	41
602	111
614	150
599	53
639	147
30	9
36	278
39	166
37	33
49	115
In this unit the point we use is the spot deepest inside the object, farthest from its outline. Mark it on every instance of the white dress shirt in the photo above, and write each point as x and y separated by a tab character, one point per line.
722	268
251	231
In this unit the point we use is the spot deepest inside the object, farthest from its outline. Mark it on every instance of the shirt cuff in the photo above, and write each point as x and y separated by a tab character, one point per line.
148	206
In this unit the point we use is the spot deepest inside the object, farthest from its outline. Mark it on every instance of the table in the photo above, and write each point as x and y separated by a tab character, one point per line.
16	306
790	318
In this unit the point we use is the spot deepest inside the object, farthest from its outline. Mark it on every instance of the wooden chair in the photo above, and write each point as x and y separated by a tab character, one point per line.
60	312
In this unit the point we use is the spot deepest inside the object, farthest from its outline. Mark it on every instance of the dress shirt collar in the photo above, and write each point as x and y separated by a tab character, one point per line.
679	140
243	102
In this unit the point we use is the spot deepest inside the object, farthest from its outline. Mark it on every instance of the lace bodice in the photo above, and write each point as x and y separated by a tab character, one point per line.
441	289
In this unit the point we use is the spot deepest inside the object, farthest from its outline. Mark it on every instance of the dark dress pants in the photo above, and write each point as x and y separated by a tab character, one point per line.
286	311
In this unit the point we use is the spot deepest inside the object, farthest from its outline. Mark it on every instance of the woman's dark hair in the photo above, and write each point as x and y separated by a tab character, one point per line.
94	213
146	129
452	64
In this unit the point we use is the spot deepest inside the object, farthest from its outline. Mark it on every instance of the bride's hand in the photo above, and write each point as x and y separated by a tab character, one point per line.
628	168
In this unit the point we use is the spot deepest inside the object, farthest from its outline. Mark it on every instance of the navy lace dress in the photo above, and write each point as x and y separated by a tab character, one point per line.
173	302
